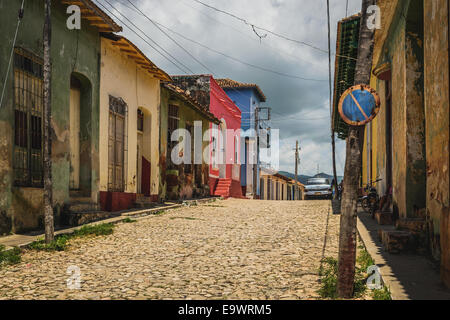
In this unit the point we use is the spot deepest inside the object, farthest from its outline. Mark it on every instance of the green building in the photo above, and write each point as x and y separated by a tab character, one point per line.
180	111
75	111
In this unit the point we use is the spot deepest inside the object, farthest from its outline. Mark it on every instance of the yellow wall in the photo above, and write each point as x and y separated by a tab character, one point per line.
121	77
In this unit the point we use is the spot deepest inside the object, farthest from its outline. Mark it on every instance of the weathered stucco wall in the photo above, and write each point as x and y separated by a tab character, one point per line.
437	129
122	78
72	51
186	183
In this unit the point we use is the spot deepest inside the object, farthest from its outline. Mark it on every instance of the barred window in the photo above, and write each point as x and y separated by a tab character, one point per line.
173	125
28	114
117	144
188	167
140	120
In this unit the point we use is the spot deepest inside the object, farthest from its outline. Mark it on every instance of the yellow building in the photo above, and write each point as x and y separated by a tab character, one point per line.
407	145
275	186
129	125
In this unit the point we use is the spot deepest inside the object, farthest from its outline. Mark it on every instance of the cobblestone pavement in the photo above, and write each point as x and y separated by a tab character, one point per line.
230	249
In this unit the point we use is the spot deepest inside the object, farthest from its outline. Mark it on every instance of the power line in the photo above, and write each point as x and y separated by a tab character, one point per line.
19	20
131	29
167	35
260	28
278	50
238	60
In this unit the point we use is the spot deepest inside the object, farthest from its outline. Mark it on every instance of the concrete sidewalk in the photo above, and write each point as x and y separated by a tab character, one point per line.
23	240
408	276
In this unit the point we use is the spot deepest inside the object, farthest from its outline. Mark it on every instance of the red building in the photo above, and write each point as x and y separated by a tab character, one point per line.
225	139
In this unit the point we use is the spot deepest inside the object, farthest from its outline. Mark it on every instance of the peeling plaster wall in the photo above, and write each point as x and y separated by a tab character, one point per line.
122	78
186	184
72	51
437	130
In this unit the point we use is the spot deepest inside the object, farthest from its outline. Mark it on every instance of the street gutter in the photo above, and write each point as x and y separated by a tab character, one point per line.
24	240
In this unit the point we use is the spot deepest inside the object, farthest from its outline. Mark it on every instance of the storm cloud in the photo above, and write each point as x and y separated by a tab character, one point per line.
300	108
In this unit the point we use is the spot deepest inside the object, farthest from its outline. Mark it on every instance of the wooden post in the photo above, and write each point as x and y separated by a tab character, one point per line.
347	236
47	150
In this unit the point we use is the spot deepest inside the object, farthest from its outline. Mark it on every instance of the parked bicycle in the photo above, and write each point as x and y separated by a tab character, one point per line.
370	201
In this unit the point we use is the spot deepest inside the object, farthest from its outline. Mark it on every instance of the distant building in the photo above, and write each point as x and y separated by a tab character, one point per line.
248	97
275	186
225	154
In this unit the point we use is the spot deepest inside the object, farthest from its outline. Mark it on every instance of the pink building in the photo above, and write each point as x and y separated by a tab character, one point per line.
224	168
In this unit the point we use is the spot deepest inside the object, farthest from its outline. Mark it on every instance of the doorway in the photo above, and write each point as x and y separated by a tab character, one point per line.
223	151
74	110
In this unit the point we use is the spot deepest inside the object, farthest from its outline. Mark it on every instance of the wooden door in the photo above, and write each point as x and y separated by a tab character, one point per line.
74	178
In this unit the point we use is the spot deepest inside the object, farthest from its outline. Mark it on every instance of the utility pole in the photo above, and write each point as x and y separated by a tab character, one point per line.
296	171
347	236
47	150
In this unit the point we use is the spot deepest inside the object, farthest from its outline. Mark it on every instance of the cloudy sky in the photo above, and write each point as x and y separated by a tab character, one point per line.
300	108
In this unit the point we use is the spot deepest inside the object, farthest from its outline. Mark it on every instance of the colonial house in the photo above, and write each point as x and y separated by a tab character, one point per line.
407	145
275	186
224	168
189	178
129	126
248	97
75	112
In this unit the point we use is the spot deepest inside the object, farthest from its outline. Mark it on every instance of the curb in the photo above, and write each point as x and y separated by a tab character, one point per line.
396	289
141	213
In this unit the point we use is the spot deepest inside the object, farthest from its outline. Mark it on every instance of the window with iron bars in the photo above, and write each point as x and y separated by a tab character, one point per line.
188	167
140	120
117	144
173	125
28	119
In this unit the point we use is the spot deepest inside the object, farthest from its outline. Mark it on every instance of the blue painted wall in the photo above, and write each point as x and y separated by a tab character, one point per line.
247	101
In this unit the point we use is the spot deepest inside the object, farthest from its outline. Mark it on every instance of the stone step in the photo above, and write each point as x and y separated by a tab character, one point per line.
383	218
145	205
414	225
81	218
396	241
79	207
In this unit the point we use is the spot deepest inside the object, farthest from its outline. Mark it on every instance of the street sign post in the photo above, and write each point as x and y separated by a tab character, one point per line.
359	105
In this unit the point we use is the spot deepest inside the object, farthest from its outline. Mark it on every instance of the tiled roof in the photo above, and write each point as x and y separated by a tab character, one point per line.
95	16
191	101
134	53
229	84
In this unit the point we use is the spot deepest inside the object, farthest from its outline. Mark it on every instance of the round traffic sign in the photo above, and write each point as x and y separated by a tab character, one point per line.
359	105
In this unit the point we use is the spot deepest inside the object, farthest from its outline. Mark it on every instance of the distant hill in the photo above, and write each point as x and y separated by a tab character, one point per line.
303	179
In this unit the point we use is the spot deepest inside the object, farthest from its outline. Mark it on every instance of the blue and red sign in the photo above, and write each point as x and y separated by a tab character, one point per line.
359	105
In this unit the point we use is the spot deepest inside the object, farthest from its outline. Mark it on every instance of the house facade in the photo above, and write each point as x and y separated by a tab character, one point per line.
275	186
75	112
407	145
129	125
188	178
224	167
248	97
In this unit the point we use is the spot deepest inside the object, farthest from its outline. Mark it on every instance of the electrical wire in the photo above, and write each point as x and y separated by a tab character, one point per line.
278	50
149	44
261	28
167	35
238	60
19	20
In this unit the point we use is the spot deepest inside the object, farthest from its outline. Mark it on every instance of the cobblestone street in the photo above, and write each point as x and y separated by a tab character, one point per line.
230	249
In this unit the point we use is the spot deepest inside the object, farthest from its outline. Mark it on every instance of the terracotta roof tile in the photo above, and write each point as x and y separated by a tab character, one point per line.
229	84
